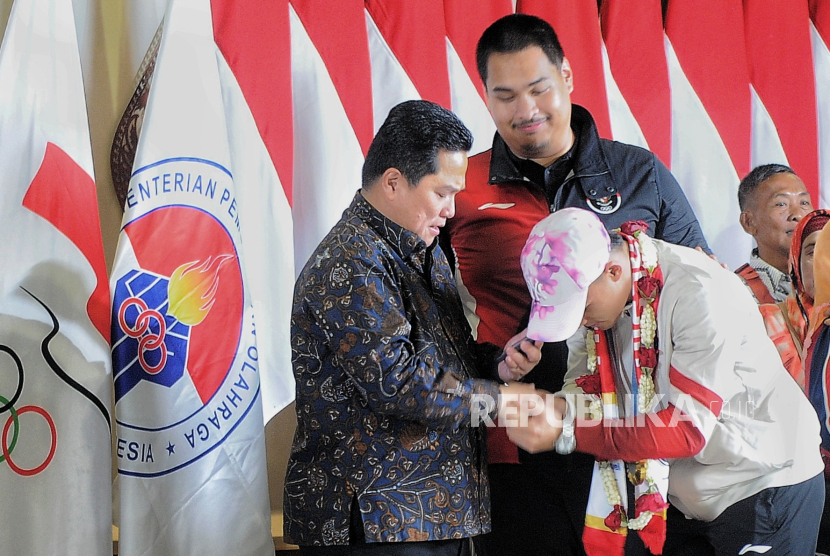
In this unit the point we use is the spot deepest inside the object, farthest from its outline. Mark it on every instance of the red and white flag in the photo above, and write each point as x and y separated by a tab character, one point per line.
55	465
784	126
408	46
466	20
250	36
190	448
820	34
332	95
711	117
639	96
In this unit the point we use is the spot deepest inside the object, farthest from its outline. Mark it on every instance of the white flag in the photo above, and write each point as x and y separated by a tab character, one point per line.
55	465
190	446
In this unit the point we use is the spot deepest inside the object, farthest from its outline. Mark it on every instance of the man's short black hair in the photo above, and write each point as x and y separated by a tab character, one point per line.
516	32
756	177
410	139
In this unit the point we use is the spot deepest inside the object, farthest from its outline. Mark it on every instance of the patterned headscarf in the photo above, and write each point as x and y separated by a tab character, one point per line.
813	222
817	344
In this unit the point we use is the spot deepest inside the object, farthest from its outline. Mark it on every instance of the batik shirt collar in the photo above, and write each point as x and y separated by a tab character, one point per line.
405	243
778	283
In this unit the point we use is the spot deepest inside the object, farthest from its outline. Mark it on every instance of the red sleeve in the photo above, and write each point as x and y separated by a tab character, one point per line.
641	438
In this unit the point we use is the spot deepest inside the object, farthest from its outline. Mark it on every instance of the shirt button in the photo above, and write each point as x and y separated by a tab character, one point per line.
611	189
592	192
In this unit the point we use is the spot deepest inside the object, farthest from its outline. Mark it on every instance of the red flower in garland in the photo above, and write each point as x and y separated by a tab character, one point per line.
648	357
614	519
653	503
590	384
633	226
649	286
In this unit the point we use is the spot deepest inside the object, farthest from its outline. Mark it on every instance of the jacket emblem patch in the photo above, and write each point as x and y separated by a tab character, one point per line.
605	205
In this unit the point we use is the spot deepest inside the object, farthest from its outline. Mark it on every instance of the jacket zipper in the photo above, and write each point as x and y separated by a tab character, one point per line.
557	200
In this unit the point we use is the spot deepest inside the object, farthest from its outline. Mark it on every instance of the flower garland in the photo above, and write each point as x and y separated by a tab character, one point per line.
647	282
617	518
645	294
595	408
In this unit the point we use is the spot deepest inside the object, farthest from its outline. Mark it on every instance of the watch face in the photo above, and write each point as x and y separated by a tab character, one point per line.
566	443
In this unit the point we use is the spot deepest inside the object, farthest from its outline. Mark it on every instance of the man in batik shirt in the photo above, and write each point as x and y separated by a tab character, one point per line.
388	457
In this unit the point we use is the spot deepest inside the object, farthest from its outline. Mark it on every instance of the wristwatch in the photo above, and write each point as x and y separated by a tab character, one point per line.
566	443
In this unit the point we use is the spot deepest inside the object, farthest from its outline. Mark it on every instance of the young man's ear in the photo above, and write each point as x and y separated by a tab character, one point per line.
614	270
567	75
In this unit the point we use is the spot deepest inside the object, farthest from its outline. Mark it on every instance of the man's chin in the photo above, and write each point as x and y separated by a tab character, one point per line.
535	150
428	238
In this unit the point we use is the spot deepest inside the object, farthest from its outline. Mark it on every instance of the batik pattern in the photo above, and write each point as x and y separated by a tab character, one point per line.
385	389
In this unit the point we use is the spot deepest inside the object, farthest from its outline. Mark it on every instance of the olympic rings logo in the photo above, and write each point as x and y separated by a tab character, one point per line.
14	420
148	342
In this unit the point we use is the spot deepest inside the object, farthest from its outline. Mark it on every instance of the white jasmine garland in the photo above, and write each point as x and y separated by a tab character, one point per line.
595	409
591	346
645	398
640	521
648	251
609	483
648	326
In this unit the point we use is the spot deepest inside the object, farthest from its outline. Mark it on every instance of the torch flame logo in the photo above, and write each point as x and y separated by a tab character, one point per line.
192	289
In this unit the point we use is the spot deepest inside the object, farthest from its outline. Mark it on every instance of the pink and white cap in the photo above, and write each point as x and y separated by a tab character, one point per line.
563	255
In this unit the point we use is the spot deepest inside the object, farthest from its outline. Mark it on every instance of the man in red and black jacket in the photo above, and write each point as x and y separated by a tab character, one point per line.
546	155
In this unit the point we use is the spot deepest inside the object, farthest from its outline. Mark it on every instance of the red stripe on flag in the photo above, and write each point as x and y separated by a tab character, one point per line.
778	44
65	195
820	14
577	25
255	40
637	27
338	31
416	34
712	52
703	395
466	20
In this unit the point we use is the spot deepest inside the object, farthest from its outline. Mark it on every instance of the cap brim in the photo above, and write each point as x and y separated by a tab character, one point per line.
559	322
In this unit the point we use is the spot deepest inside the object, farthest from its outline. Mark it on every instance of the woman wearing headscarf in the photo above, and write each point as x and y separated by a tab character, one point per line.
816	362
787	322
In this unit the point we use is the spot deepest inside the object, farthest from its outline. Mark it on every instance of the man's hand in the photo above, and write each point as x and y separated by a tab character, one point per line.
518	362
712	256
542	429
